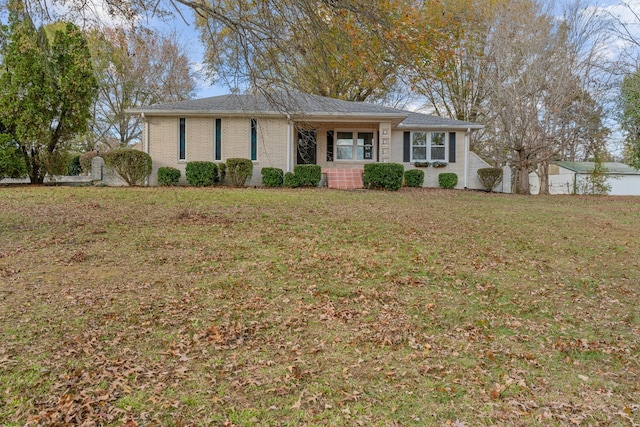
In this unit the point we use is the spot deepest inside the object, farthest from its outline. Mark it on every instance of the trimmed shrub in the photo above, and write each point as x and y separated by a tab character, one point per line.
85	160
383	175
290	180
272	177
490	177
222	172
168	176
73	166
133	166
201	174
447	180
308	175
239	171
414	178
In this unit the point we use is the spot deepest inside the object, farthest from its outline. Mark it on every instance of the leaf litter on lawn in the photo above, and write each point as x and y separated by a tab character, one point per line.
312	307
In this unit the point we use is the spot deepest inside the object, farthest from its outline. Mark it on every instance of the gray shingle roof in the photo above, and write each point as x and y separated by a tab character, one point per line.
298	104
611	167
417	120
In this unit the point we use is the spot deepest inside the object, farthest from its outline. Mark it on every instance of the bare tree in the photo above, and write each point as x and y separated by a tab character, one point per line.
135	68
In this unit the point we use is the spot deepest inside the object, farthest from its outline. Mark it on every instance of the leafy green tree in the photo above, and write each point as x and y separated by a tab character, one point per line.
630	117
46	89
11	160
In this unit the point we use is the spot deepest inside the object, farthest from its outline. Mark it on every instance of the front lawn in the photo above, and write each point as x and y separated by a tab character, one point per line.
242	307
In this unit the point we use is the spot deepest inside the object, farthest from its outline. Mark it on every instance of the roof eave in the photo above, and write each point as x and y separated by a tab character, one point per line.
471	126
320	116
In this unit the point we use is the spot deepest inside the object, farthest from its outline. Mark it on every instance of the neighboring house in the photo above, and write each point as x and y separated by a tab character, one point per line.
286	130
569	178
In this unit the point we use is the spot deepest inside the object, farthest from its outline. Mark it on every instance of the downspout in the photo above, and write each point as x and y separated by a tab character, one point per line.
145	139
289	142
466	157
145	134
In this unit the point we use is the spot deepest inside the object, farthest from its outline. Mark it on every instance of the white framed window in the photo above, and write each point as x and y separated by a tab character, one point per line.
428	146
355	145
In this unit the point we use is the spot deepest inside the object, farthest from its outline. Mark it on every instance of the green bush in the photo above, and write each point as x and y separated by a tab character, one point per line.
383	175
490	177
290	180
414	178
272	177
85	160
133	166
168	176
308	175
201	174
12	163
73	166
222	172
239	171
447	180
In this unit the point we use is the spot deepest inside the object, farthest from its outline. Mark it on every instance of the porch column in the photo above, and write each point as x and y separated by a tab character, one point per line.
385	142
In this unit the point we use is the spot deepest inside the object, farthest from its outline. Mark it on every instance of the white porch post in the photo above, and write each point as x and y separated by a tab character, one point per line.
385	142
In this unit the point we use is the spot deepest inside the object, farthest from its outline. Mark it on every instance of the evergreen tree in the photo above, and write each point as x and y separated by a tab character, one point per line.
46	90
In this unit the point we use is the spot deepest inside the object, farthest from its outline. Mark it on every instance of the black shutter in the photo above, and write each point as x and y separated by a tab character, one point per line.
329	146
378	159
406	153
452	147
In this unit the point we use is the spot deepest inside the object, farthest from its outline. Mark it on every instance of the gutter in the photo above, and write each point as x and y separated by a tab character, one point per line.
289	141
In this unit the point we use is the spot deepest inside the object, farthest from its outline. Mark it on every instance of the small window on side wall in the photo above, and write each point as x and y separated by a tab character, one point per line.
218	139
182	139
254	140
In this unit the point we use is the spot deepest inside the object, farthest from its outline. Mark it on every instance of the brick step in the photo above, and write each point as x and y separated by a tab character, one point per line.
344	179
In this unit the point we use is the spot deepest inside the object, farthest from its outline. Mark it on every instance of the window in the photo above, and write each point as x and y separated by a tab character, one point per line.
254	140
437	146
182	139
428	146
351	145
218	140
329	146
419	146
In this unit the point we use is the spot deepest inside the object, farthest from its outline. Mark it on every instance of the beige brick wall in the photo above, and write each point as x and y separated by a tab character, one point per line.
272	146
163	143
200	131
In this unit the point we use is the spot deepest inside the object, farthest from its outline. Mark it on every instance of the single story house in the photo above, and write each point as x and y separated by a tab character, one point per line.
570	178
286	129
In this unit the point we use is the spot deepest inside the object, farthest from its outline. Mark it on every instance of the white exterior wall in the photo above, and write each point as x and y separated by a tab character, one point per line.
563	183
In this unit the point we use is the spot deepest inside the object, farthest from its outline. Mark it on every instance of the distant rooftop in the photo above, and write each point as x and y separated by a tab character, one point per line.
611	167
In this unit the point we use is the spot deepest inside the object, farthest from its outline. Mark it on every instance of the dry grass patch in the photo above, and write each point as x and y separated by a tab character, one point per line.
178	306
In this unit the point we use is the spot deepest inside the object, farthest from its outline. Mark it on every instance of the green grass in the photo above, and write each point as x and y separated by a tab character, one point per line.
181	306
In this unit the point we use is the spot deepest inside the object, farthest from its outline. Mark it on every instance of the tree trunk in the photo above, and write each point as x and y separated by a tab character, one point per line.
522	173
36	172
543	178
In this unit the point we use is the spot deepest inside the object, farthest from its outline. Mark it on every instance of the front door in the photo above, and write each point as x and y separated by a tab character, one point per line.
306	147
